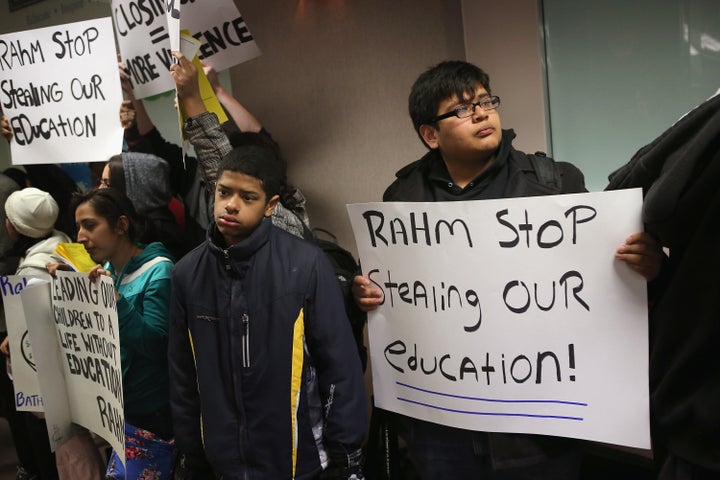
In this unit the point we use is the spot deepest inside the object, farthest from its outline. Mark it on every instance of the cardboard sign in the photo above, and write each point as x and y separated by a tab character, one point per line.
510	315
80	372
144	37
28	397
60	89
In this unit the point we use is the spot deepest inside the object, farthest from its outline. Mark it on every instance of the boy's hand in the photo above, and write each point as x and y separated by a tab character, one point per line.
367	296
643	254
4	347
343	465
186	77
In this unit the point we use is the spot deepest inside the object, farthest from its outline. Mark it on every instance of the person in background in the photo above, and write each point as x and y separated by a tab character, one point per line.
48	178
110	229
471	157
8	265
31	214
144	178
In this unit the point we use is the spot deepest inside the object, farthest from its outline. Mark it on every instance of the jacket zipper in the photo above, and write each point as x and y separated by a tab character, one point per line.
246	340
228	266
245	363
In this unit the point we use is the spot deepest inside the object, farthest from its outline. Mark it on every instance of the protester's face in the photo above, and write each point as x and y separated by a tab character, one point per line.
105	177
95	233
240	205
460	139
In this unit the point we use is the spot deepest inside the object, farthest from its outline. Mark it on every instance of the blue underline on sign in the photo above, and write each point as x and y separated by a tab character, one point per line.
492	414
496	400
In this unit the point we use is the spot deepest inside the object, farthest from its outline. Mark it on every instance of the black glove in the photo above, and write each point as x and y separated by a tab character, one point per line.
344	464
192	467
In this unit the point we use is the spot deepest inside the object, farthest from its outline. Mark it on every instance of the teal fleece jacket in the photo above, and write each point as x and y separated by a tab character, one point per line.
143	316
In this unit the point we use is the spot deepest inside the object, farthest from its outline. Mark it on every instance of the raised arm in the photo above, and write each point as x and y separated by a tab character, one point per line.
202	128
244	120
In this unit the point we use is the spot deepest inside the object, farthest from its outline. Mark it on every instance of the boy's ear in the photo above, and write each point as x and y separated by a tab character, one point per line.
429	134
271	204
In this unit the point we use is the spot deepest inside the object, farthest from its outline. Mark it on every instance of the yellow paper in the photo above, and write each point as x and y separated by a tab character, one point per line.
208	94
189	47
75	255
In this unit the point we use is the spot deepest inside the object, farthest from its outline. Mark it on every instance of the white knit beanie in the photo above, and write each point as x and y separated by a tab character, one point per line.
32	212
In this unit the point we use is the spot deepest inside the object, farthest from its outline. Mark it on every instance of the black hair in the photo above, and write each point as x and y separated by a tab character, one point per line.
258	161
238	138
111	204
54	180
20	177
443	81
117	173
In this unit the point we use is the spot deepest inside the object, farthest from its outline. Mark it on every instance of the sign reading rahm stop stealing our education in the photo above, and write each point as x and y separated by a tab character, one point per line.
510	315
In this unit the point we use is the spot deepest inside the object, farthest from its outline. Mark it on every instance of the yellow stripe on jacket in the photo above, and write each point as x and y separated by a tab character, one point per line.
298	358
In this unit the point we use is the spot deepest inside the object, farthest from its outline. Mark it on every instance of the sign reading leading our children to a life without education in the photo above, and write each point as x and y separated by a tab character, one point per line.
510	315
75	334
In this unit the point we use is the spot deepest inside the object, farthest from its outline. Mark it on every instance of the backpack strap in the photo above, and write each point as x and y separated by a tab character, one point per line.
546	170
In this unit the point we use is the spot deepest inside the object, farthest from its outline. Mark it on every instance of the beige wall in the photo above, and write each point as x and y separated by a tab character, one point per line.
332	87
504	39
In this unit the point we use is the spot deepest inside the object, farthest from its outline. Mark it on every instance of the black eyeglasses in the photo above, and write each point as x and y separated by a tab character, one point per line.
466	110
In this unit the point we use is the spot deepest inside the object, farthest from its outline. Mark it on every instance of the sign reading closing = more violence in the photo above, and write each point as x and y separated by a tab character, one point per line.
510	315
144	37
60	89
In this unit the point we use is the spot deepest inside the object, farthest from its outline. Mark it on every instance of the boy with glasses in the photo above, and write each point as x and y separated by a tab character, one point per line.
472	158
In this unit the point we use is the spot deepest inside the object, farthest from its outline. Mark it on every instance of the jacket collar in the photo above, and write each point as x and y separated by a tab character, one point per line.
244	249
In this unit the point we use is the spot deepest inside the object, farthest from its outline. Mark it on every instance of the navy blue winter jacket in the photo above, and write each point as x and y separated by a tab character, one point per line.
264	371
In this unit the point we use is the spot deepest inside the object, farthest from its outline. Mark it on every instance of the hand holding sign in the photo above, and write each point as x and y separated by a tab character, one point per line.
643	254
6	130
185	76
366	295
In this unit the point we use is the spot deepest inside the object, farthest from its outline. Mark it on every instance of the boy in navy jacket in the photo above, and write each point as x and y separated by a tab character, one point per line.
265	378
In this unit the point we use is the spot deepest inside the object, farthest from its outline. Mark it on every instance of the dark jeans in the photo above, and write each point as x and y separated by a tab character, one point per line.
32	445
440	452
29	433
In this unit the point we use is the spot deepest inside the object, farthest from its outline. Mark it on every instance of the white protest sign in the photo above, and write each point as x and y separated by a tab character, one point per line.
24	370
60	90
226	39
143	35
87	337
41	325
172	16
510	315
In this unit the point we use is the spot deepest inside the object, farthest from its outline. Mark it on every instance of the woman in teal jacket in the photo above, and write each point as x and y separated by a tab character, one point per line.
109	227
